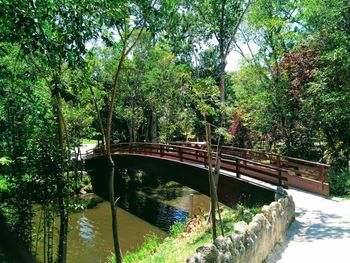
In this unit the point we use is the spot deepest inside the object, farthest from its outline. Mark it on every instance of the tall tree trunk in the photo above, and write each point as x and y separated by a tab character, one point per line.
212	188
222	85
154	127
132	122
113	203
63	211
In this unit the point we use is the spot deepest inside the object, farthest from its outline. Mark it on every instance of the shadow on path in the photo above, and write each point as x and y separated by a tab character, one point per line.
314	225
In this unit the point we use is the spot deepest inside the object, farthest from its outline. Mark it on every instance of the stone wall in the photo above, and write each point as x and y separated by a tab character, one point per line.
250	243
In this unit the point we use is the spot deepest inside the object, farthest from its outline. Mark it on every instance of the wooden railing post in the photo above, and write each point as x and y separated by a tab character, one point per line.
180	154
278	164
279	177
321	176
278	161
237	169
161	150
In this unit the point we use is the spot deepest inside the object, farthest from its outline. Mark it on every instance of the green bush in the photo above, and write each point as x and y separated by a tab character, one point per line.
4	187
245	213
177	229
339	182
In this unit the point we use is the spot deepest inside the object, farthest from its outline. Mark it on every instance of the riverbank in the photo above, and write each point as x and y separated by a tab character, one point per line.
186	237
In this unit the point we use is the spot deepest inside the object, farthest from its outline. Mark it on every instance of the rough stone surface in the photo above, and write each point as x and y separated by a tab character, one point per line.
280	193
209	253
251	243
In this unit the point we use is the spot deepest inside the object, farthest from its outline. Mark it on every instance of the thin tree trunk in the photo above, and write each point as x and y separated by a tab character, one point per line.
213	198
216	179
100	123
113	206
222	86
154	127
63	211
132	125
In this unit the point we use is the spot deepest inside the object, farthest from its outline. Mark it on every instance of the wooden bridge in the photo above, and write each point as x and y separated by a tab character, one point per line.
236	162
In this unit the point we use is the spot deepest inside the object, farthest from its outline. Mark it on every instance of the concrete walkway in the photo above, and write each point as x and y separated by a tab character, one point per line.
320	232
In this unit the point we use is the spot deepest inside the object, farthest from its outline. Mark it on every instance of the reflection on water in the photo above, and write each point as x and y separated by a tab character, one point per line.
90	239
143	210
86	231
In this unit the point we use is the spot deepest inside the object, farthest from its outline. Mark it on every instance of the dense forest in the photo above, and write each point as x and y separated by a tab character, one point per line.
157	71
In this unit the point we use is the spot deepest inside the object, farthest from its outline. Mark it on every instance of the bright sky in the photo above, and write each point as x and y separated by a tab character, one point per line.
234	58
233	61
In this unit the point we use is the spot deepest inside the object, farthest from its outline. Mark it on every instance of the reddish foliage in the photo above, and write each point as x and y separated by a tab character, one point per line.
240	135
300	67
236	125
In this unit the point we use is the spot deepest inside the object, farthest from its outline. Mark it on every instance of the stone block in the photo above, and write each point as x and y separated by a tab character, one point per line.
209	253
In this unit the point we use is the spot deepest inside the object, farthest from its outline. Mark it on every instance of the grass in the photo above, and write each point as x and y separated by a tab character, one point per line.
185	238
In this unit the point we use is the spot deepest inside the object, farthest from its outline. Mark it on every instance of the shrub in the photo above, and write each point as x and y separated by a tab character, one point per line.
339	182
177	229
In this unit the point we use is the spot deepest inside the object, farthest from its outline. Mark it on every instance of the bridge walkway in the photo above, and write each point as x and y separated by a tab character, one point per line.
320	232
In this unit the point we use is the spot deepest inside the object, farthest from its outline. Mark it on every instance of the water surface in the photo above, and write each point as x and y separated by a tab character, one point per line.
143	209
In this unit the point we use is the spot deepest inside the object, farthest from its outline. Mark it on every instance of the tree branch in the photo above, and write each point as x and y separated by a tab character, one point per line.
236	28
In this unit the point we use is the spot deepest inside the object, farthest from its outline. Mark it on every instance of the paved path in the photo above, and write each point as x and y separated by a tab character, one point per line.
320	232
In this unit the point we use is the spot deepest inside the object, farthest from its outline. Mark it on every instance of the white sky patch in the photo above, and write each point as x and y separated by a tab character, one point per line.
233	61
234	58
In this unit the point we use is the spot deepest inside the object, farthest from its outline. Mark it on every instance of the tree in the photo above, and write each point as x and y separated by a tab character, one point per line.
53	36
221	19
327	97
273	29
129	19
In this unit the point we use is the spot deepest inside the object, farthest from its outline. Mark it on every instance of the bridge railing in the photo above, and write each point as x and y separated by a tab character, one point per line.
238	165
180	153
295	166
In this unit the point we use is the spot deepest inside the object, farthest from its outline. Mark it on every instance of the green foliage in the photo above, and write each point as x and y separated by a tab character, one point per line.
204	95
219	19
177	229
339	182
4	185
245	213
5	161
292	93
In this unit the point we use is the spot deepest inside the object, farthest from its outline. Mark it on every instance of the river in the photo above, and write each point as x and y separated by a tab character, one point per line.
144	208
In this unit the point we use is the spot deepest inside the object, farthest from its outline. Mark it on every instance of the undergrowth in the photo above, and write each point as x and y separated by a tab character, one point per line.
339	183
3	184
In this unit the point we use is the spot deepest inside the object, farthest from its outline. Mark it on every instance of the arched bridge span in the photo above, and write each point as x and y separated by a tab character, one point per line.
187	164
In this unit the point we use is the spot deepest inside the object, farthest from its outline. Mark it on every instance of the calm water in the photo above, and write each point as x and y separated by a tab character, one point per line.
143	210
